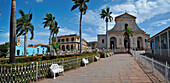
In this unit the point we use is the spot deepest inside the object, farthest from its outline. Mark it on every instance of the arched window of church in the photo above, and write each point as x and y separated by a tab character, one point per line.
102	40
126	26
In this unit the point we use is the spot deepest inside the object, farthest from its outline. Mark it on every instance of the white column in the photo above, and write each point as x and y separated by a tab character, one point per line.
160	44
168	43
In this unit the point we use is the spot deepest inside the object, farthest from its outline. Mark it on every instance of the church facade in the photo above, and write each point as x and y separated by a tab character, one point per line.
116	40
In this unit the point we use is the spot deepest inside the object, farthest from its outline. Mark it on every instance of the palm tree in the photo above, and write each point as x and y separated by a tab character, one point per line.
128	33
23	26
49	22
55	30
12	31
107	16
82	8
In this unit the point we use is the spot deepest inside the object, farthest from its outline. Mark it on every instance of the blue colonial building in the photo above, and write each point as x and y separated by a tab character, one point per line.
160	43
32	50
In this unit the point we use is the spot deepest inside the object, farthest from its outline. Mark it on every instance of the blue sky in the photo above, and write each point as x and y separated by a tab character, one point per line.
152	16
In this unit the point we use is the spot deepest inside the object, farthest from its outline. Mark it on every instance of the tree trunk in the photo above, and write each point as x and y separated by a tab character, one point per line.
128	44
13	31
107	36
50	44
56	38
80	33
56	42
25	45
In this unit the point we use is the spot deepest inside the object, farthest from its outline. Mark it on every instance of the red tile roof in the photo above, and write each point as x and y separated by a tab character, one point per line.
39	45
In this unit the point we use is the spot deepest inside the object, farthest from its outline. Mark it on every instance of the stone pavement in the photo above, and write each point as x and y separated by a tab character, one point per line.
120	68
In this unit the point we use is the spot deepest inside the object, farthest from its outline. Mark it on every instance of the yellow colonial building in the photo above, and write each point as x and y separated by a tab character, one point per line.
71	42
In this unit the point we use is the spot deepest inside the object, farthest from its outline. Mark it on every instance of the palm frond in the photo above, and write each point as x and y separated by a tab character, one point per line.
74	7
21	12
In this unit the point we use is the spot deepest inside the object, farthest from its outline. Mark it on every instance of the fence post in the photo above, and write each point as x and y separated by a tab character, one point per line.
152	65
37	71
166	73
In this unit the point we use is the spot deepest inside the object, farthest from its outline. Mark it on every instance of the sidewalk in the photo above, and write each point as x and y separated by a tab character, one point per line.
120	68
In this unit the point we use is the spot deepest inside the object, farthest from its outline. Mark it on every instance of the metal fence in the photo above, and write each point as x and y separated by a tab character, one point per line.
34	71
161	69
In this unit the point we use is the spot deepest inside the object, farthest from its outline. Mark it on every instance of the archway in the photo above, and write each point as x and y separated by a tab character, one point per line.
113	43
63	48
67	47
126	26
72	47
126	42
139	43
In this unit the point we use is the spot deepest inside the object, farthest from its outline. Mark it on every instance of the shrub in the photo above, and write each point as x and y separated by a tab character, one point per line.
103	55
40	57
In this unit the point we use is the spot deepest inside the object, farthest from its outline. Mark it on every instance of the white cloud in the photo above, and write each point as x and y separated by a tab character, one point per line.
4	37
4	34
142	9
88	37
93	18
26	2
66	31
39	1
160	23
90	30
42	34
34	41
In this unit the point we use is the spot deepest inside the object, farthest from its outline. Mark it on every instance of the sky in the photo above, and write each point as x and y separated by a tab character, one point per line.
153	16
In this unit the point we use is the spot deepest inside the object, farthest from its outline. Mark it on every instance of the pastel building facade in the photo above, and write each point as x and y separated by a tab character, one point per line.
32	50
116	39
71	42
160	43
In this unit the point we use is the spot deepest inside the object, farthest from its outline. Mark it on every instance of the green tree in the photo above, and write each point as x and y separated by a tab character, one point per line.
82	8
55	45
4	50
107	16
23	26
128	33
12	31
49	22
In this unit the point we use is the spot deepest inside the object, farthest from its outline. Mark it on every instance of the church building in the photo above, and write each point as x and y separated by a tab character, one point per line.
116	40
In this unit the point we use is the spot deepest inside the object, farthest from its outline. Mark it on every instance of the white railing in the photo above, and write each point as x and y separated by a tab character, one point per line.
162	69
34	71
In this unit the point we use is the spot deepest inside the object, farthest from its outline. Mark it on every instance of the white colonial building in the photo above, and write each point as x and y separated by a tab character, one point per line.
116	38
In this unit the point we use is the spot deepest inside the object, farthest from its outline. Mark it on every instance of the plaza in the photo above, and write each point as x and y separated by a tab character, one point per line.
119	68
84	41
